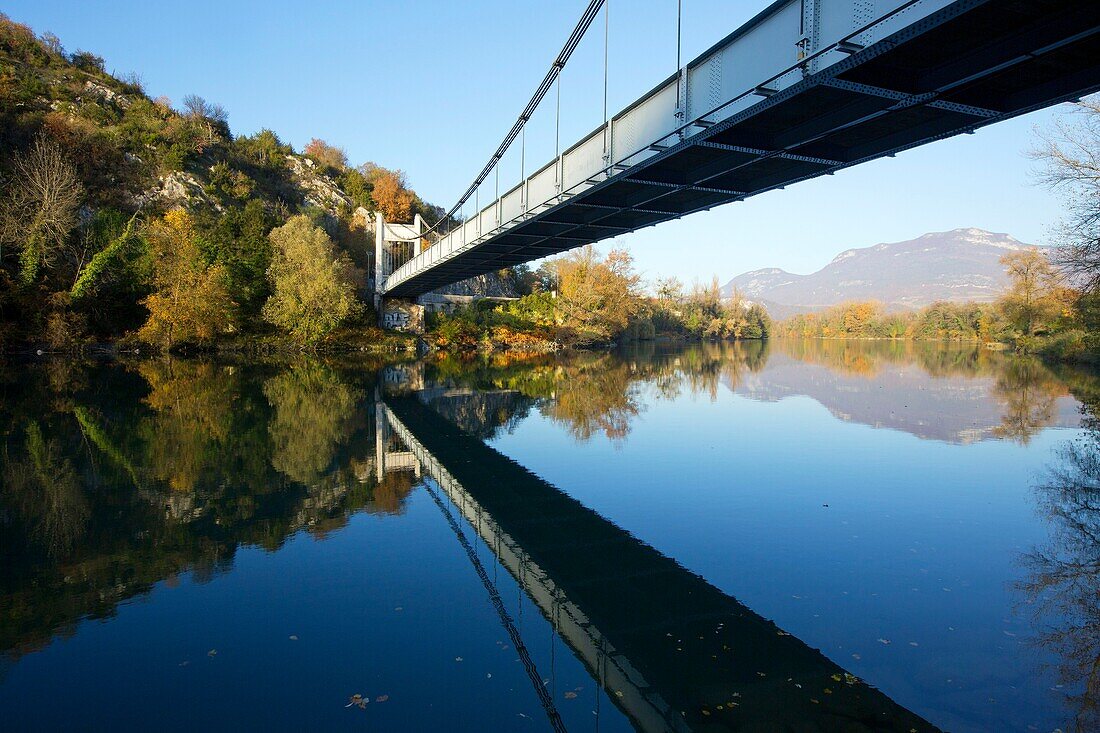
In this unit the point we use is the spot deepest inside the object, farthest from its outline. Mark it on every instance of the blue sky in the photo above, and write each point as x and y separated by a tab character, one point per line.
431	87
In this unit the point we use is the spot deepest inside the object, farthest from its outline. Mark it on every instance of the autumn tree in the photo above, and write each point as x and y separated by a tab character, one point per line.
859	318
598	295
191	301
1032	280
328	156
39	208
391	196
313	285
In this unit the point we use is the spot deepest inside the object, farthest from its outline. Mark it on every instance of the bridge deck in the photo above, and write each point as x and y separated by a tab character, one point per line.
969	64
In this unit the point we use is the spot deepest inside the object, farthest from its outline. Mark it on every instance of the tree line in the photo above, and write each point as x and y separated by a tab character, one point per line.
585	298
122	215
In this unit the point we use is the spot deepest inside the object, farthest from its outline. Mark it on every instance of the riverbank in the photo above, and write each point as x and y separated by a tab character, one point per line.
361	339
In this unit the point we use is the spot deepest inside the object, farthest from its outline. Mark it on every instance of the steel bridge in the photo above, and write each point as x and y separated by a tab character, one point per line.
805	88
673	652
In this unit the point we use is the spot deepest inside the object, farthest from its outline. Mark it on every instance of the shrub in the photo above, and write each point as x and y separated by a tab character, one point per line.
313	286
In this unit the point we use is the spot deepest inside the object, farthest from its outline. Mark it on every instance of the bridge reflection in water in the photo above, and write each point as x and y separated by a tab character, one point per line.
671	650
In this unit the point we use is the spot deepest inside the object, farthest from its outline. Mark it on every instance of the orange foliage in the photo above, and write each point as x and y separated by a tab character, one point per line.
392	198
327	155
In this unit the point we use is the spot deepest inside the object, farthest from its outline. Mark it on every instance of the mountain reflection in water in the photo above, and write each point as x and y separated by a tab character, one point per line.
116	477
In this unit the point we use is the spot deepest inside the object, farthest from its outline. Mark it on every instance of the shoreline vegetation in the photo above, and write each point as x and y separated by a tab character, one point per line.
130	225
1037	314
133	221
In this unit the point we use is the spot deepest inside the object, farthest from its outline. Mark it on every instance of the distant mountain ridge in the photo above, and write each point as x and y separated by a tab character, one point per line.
959	265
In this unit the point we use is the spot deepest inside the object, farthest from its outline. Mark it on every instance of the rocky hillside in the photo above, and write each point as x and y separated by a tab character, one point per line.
91	164
960	265
134	152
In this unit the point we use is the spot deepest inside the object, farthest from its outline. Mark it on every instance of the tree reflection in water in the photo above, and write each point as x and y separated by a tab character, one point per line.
1063	584
311	408
45	491
116	477
1028	390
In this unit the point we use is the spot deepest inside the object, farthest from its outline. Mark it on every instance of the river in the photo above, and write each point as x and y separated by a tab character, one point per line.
800	535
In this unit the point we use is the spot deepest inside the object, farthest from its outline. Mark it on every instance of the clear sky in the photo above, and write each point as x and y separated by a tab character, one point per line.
431	87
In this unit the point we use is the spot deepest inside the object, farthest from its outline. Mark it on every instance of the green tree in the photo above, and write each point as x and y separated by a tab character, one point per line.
237	240
313	285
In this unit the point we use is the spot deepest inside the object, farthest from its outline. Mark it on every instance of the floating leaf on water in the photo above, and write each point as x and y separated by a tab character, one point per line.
570	695
382	698
836	678
705	712
883	641
212	653
294	637
618	693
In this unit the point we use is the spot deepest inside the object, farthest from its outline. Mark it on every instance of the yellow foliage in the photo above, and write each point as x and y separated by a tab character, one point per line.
191	302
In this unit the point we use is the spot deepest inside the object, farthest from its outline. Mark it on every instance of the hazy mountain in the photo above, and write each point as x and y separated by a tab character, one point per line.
963	264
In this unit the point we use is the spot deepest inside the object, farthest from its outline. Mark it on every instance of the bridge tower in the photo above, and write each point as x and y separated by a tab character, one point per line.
395	244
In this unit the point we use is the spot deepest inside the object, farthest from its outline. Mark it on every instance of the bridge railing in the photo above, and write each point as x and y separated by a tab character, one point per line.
745	67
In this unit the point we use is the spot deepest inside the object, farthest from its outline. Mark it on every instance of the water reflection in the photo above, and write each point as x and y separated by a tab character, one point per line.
1063	586
118	476
675	653
953	393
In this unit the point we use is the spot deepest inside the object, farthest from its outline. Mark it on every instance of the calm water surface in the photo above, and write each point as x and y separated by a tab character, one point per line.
784	536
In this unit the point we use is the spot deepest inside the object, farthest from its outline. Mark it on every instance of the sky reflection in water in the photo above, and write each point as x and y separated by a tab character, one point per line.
242	545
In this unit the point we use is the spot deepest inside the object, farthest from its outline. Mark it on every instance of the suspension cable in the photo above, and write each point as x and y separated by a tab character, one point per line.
551	76
545	698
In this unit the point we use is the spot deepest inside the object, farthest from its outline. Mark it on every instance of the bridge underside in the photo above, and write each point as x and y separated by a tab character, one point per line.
970	65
